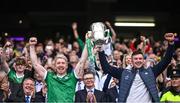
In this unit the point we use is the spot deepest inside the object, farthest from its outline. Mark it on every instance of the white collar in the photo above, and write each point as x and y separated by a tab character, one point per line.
90	90
61	76
41	83
19	76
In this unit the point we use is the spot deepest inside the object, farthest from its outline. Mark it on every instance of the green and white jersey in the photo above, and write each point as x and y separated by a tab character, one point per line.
61	89
14	78
18	79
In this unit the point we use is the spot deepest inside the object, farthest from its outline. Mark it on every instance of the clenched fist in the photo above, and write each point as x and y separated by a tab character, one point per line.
33	41
169	37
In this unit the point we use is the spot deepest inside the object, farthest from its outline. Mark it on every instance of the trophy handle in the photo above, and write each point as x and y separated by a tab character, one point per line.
107	36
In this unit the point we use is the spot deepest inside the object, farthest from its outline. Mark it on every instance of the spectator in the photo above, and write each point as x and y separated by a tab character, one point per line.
89	93
112	93
138	84
117	57
4	86
60	84
114	35
126	60
76	35
17	74
26	94
38	82
173	94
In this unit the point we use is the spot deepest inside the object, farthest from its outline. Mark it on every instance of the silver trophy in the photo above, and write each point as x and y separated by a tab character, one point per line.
100	35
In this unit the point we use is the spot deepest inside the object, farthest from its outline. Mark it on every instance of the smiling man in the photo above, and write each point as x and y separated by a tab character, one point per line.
89	93
26	94
60	83
172	95
138	84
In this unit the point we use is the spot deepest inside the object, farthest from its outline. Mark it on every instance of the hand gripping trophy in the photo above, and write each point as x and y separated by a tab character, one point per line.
100	37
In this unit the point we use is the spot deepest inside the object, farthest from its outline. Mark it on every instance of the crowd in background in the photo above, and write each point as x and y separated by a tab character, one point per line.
58	71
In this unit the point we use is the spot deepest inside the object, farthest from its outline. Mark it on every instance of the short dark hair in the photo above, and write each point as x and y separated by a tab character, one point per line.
137	52
29	78
88	72
20	61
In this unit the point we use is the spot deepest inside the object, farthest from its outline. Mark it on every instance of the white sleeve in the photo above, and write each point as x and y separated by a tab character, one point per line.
75	74
45	75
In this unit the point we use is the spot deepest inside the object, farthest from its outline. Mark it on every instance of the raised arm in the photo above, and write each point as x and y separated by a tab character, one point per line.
37	66
74	27
79	69
3	62
107	68
76	35
112	31
161	66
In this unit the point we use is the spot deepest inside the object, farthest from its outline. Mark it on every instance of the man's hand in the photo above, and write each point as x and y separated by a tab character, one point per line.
169	37
74	26
33	41
108	24
88	35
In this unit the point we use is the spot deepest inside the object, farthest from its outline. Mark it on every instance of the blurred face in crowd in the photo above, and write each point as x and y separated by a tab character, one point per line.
49	49
128	59
37	76
72	52
28	87
75	45
137	60
29	64
56	46
39	49
20	66
9	52
157	44
116	55
89	80
178	51
175	82
61	66
117	46
61	42
73	60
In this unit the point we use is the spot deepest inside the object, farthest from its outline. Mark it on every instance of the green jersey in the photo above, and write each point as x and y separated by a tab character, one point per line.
61	89
13	77
18	80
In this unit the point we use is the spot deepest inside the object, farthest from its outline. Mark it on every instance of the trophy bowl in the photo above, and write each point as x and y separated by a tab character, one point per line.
100	34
